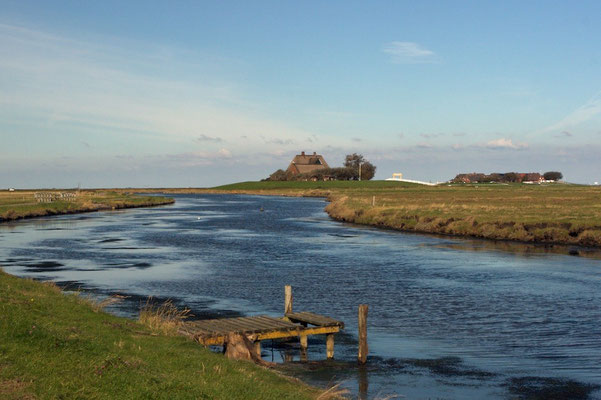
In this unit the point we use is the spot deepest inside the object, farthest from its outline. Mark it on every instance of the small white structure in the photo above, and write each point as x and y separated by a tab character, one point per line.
398	177
11	189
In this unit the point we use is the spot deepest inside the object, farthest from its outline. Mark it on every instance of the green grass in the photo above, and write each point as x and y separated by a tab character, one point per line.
57	346
23	204
551	213
268	185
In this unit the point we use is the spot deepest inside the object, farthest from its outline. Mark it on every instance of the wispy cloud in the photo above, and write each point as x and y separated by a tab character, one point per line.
564	134
280	142
408	53
211	139
581	115
503	143
431	135
99	88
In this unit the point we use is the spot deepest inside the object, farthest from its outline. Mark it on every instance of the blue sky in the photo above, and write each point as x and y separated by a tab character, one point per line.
202	93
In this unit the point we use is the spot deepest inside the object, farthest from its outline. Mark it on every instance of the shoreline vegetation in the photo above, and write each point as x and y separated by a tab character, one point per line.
30	204
62	345
550	214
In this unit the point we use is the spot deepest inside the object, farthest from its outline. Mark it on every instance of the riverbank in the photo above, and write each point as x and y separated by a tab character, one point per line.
563	214
30	204
57	345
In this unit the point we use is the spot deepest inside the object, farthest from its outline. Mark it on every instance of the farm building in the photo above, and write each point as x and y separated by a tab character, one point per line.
304	164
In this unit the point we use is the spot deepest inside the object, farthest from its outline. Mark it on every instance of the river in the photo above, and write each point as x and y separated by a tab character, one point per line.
448	318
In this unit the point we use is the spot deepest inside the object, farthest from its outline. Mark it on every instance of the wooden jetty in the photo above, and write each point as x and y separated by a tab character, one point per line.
262	327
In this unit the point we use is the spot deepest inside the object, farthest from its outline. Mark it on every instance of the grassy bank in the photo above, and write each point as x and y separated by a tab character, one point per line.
554	213
55	345
23	204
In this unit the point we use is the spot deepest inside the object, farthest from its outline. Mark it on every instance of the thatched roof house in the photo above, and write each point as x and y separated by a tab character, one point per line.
304	164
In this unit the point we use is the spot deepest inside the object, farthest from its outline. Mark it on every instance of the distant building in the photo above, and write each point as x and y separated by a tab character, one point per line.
305	164
533	177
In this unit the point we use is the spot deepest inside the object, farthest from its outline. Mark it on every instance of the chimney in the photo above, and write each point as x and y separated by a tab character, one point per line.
302	153
314	153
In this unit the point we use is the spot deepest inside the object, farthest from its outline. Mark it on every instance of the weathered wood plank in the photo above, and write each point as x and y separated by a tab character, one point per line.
276	322
252	324
246	325
314	319
226	326
274	334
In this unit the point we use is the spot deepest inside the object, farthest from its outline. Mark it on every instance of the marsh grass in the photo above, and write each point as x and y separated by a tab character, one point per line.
551	213
22	204
98	306
163	318
333	392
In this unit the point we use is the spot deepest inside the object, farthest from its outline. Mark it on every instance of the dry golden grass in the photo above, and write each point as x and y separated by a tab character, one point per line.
163	318
559	214
333	392
101	305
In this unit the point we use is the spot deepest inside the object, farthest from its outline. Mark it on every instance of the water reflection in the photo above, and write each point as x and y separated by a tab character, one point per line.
522	249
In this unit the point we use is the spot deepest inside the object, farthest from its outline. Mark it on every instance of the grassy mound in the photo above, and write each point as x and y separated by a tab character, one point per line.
56	345
23	204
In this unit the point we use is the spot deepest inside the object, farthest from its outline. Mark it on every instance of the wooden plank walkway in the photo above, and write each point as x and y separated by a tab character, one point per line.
214	332
306	318
261	327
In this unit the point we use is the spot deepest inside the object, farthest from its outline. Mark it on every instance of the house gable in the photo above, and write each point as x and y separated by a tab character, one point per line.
304	163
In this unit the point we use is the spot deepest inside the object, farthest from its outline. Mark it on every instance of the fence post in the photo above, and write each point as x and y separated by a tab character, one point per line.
362	356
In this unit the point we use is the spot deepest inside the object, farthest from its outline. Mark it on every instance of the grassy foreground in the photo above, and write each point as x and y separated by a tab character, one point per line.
23	204
553	213
56	345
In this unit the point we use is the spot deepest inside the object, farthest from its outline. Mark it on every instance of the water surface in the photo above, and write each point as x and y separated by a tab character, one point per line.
448	318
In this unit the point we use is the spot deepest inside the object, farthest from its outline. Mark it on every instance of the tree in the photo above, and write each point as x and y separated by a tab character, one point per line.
511	177
552	175
353	161
279	175
368	170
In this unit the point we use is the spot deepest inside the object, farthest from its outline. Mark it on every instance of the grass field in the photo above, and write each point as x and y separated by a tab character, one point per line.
23	204
550	213
60	346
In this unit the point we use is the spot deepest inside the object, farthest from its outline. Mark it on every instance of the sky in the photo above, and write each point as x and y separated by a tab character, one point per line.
197	94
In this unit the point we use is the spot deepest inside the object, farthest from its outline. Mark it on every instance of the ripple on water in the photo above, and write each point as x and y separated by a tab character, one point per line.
448	318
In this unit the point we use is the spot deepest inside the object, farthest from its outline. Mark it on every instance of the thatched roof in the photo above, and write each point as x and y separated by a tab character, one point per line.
307	163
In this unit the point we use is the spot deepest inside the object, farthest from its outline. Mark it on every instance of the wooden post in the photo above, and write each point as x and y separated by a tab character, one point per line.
288	299
257	348
362	356
330	345
304	344
373	201
363	382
